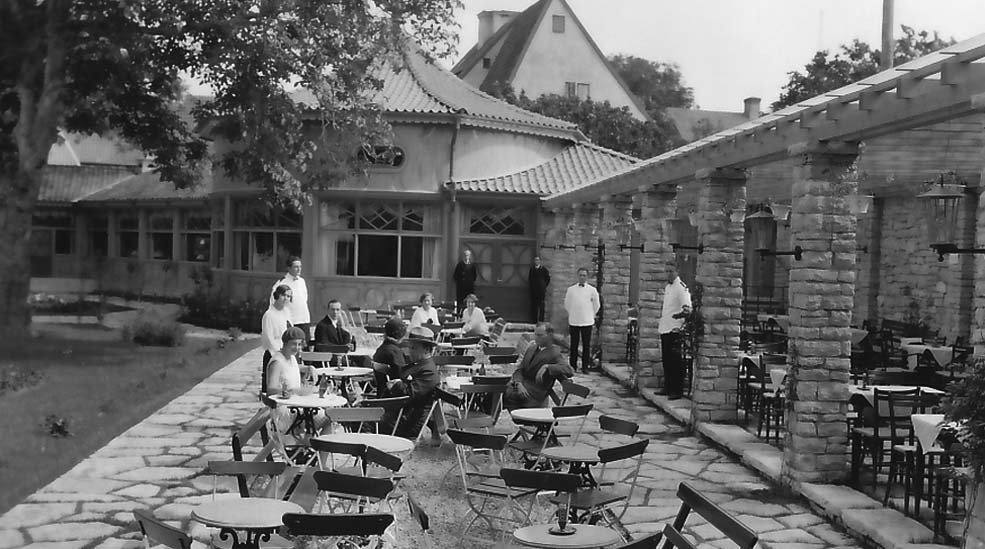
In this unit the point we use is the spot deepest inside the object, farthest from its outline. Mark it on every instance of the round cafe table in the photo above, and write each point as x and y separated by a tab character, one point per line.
579	457
257	518
306	407
345	374
585	536
384	443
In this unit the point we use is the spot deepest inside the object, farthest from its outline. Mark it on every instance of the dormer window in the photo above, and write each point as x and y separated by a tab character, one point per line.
383	156
558	24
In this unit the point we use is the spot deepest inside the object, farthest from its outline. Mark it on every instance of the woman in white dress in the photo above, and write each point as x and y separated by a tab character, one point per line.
425	315
474	319
284	377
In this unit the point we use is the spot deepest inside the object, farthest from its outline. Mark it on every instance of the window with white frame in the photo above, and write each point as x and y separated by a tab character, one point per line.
160	236
393	239
196	232
263	238
557	23
128	233
583	91
61	226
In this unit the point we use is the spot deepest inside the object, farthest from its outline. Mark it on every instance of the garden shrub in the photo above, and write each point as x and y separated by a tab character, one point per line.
209	306
149	329
965	405
13	378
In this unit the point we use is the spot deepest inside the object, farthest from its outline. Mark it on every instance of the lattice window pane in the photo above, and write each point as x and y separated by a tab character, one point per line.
497	221
413	219
378	216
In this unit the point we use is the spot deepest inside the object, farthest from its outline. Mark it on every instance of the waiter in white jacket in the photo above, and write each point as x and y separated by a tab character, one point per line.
677	304
581	301
297	308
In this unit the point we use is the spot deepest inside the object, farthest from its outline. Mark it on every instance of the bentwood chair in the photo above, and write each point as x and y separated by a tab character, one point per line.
336	526
156	532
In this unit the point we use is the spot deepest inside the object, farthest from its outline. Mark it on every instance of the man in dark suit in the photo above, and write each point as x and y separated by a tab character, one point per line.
538	278
464	276
330	331
539	368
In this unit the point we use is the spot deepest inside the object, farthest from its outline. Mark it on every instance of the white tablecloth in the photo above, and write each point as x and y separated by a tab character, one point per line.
926	427
869	392
942	355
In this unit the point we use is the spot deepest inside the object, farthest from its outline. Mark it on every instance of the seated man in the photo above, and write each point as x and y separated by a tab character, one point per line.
329	330
418	380
539	368
389	360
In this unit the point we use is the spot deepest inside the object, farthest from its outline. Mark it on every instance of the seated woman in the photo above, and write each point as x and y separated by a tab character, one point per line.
418	379
284	375
474	318
389	360
539	368
425	314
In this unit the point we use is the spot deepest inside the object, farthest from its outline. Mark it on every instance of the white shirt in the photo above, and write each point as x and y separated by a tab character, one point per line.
297	307
272	328
421	317
475	322
581	302
676	297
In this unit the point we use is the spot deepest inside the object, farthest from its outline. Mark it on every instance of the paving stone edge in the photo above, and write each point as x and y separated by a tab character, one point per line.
892	530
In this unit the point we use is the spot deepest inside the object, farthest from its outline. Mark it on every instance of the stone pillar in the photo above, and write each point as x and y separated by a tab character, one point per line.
548	236
615	291
562	271
978	317
822	290
657	205
721	198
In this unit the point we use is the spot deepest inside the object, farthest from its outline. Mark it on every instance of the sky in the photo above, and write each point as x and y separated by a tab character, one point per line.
728	50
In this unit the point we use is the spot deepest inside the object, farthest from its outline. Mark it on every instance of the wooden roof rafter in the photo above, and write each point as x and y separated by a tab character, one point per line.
940	86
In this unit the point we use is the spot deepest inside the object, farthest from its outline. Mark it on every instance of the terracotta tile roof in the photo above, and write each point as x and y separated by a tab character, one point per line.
577	165
73	149
422	87
148	186
67	184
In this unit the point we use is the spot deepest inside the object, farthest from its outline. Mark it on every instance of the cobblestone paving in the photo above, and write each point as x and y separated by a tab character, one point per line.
156	464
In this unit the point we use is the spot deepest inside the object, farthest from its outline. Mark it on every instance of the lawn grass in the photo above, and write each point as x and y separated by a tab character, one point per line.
99	384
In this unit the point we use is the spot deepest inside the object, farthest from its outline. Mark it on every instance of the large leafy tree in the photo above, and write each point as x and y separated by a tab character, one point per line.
852	63
611	127
658	85
115	66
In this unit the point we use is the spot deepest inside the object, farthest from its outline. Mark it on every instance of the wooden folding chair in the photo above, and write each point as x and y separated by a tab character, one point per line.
718	518
480	406
647	542
599	504
572	388
342	493
255	478
337	526
393	407
357	420
156	532
563	484
421	518
532	448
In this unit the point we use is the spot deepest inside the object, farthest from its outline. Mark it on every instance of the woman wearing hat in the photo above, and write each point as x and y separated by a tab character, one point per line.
388	360
418	379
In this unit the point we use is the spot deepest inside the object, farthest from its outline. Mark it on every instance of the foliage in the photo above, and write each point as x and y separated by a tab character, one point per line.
694	322
13	378
209	306
115	67
965	405
852	63
51	304
611	127
56	426
658	85
151	329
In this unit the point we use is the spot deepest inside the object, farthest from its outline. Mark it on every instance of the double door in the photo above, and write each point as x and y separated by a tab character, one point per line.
502	267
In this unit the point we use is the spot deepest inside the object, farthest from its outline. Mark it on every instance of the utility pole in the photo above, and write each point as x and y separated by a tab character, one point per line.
888	44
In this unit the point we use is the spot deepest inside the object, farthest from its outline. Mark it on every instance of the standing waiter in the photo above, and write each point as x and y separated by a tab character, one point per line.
538	278
465	275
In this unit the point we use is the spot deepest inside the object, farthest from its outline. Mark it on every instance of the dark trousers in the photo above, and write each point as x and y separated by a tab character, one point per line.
263	372
537	309
583	333
671	346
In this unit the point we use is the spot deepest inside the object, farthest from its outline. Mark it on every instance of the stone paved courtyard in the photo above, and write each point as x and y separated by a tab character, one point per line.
156	464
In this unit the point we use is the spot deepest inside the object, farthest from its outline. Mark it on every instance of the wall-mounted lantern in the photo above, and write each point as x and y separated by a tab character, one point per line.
627	228
761	225
676	229
943	201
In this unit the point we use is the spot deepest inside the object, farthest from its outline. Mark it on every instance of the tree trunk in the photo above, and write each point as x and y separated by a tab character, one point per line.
18	194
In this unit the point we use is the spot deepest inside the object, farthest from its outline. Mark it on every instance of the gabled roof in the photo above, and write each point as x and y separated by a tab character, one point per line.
422	87
687	121
148	186
68	184
516	36
576	165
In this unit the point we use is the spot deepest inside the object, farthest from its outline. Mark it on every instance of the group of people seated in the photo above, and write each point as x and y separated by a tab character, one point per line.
403	364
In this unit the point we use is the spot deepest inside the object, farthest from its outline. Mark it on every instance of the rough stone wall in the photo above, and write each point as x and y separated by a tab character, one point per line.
562	274
615	291
822	288
978	302
721	193
658	256
914	285
549	231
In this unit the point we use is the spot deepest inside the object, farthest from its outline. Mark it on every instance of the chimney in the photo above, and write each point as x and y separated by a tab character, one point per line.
492	21
751	107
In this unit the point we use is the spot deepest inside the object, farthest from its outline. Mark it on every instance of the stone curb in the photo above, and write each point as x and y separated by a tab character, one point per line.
861	516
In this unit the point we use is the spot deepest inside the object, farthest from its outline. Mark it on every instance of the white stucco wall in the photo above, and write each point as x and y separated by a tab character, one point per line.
555	58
